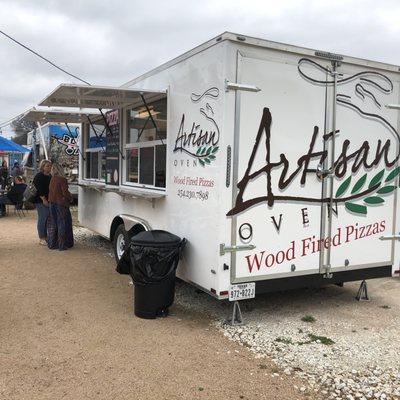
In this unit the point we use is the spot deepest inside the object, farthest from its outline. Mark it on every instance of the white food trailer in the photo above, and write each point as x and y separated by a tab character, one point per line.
278	164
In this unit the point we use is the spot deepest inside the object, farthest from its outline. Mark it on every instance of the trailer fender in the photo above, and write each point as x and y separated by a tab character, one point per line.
130	222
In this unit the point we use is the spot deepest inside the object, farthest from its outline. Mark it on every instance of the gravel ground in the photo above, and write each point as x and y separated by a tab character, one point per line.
349	351
68	331
338	347
86	237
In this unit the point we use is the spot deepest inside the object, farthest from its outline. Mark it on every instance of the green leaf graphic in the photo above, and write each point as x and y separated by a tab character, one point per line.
205	154
374	200
393	174
343	187
376	179
356	208
359	184
386	189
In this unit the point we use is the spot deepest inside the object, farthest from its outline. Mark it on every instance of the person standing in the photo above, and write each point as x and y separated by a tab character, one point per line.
59	229
16	170
3	174
3	183
41	181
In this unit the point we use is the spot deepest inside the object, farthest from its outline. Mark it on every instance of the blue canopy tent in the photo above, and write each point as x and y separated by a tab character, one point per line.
11	151
8	146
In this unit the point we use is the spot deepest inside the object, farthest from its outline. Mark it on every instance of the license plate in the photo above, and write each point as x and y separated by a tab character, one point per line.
242	291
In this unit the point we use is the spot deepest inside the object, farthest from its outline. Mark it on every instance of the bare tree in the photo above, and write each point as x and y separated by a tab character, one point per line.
21	127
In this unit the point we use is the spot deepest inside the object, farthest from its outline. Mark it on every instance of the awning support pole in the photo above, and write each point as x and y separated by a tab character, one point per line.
152	119
142	130
79	150
42	140
34	155
109	130
94	130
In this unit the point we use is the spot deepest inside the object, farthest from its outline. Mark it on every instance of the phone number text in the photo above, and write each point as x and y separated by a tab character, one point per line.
193	194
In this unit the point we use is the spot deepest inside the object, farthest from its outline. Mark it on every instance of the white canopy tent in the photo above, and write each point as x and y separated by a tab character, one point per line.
48	115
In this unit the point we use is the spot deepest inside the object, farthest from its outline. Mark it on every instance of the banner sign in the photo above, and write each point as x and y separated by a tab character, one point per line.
112	148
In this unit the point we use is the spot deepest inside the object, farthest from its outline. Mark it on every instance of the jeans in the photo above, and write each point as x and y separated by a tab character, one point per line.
43	214
3	201
59	228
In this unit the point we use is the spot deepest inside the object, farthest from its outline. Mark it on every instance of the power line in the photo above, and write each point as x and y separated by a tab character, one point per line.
6	123
43	58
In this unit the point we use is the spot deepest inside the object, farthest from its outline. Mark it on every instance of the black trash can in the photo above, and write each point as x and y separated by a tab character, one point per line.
154	258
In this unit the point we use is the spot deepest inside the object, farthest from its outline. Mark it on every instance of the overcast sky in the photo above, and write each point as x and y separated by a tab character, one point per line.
111	42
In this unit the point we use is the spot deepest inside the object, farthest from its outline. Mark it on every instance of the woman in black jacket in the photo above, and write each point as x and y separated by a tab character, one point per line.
3	183
3	174
41	181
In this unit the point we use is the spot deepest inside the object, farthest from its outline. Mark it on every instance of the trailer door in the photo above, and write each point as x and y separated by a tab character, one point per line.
276	192
315	181
358	232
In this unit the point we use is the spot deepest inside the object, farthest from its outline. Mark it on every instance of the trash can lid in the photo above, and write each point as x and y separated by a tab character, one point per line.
155	237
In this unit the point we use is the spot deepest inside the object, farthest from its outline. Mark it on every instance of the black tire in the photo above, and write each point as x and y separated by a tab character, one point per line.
121	240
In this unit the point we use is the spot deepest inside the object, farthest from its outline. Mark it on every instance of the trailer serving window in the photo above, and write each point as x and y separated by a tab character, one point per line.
145	144
145	129
94	147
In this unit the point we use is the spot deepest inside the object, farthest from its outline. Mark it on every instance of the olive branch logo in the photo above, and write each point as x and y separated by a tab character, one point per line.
383	189
206	154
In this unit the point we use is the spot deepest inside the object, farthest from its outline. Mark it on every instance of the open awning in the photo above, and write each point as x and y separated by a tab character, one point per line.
45	116
104	97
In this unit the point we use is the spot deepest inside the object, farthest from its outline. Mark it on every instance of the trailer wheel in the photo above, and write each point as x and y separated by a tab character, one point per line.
121	240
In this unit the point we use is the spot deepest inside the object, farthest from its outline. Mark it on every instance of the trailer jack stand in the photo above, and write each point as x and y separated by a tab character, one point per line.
237	319
362	292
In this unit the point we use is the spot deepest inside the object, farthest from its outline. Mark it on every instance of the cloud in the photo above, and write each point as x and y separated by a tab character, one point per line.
111	43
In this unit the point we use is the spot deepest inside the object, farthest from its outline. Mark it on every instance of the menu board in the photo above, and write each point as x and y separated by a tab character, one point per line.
112	148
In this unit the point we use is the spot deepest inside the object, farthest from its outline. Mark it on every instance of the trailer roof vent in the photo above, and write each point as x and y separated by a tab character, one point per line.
241	38
329	56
